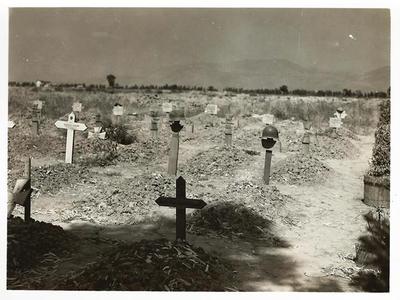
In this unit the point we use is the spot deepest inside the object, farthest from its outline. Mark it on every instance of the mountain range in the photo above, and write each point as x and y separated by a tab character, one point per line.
268	73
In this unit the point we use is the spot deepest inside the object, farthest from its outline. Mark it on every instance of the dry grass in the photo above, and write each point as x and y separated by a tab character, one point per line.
362	113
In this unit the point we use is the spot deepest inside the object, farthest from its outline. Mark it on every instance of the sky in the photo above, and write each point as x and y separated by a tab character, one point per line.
86	44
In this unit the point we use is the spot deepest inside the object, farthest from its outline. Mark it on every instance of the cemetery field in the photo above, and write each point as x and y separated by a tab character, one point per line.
96	224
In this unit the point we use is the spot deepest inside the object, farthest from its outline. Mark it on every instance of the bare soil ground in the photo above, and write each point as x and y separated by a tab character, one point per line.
317	224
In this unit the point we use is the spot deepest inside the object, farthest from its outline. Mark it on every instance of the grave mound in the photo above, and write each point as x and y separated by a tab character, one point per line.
323	146
50	179
152	265
126	201
28	243
143	152
216	161
339	147
98	153
207	120
300	169
246	210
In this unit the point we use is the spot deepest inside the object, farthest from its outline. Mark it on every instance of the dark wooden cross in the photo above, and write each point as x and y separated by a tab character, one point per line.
181	203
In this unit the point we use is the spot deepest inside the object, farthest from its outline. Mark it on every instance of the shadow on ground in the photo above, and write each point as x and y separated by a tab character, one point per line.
259	264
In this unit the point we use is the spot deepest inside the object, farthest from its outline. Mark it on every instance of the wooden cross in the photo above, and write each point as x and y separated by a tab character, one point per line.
97	133
77	108
180	202
22	193
36	117
71	126
174	148
118	111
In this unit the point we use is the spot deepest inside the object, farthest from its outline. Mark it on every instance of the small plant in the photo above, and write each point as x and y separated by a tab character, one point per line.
119	133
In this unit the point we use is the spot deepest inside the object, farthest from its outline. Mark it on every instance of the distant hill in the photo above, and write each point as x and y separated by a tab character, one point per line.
269	73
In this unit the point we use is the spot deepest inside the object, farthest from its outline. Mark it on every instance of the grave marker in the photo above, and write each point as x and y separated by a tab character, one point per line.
167	107
306	136
180	202
71	126
97	133
77	107
268	119
176	127
22	193
118	111
268	140
35	121
38	103
11	124
228	130
341	115
335	122
211	109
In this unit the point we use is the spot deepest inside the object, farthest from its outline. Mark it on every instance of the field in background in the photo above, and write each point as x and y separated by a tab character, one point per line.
362	113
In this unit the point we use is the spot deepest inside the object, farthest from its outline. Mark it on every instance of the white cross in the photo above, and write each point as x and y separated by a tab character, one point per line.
11	124
97	133
71	126
340	115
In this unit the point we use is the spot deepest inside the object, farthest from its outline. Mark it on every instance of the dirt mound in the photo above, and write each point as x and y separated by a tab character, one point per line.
217	161
143	152
50	179
21	146
207	120
323	146
299	169
27	243
99	153
126	201
157	265
339	147
244	210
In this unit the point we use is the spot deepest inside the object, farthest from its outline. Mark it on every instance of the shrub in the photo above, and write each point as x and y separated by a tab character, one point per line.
119	133
380	163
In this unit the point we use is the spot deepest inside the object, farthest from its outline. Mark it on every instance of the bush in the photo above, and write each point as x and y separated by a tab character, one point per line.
119	133
100	153
380	163
377	245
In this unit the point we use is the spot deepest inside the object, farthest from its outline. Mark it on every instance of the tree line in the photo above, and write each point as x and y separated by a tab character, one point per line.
282	90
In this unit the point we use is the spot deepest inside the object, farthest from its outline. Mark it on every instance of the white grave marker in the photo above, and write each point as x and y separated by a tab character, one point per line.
167	107
211	109
77	107
11	124
335	122
118	110
268	119
340	115
39	104
97	134
71	126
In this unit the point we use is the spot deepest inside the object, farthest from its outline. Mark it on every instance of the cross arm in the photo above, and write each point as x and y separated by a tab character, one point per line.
180	203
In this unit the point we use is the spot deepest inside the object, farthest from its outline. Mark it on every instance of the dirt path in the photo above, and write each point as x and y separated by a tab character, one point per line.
322	243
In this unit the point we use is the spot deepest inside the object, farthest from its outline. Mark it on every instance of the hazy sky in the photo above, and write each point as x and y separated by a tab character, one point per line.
85	44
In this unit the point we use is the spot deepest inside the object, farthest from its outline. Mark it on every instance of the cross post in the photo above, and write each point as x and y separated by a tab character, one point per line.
180	202
71	126
176	127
